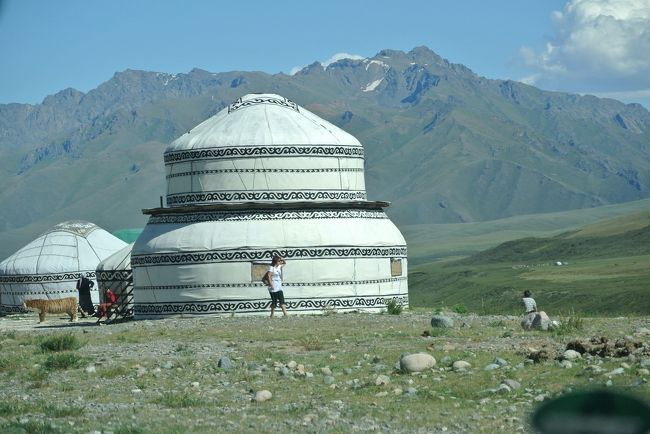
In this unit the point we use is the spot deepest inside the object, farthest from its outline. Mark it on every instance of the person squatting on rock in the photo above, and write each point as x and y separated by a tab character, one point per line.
85	301
534	319
274	278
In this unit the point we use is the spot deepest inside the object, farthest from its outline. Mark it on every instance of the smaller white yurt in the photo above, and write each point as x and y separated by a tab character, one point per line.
49	266
115	273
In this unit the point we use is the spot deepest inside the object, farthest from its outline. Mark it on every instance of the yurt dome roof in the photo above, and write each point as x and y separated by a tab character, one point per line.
120	260
264	148
70	246
263	119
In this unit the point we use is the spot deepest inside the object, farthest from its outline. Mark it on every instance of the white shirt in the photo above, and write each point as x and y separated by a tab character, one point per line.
530	304
276	278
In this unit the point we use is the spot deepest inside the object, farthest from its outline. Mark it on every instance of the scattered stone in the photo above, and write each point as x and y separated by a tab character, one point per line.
501	362
382	380
263	395
195	384
381	394
643	371
416	362
328	379
284	371
571	355
223	363
90	369
348	371
503	388
617	371
512	384
441	321
491	367
292	364
448	347
461	365
411	391
645	363
397	391
565	364
327	371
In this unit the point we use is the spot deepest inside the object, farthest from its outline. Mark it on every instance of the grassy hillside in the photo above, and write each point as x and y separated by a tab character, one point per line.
606	270
436	242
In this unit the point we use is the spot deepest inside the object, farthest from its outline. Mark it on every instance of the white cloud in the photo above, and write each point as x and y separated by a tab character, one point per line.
335	58
597	46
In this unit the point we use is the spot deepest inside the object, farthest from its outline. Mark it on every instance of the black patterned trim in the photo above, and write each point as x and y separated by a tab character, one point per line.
254	306
255	196
216	171
282	102
222	216
44	278
212	256
263	151
256	284
123	275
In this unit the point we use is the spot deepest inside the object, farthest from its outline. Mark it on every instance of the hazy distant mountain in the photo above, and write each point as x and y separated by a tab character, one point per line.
442	144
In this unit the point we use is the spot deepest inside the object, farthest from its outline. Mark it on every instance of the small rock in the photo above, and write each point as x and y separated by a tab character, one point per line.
411	391
461	365
645	363
417	362
326	370
566	364
381	394
90	369
328	379
503	388
643	371
491	367
397	391
263	395
512	384
501	362
136	390
292	364
382	380
617	371
284	371
195	384
168	365
571	355
223	363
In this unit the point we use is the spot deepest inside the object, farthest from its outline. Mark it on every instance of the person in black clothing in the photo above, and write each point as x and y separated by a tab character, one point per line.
83	286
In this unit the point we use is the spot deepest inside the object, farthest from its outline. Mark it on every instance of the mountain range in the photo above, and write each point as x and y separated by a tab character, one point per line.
443	144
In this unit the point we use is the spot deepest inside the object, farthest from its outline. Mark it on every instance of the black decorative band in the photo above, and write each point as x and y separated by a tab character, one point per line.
45	293
257	196
211	256
262	100
251	306
255	284
238	171
264	151
44	278
122	275
222	216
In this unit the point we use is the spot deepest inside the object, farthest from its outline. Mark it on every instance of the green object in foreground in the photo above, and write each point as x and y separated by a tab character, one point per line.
593	412
128	235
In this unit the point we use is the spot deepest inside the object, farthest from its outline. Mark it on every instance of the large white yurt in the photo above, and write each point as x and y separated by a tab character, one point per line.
265	176
49	266
115	273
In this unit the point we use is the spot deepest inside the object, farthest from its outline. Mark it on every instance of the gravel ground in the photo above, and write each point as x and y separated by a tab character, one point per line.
330	373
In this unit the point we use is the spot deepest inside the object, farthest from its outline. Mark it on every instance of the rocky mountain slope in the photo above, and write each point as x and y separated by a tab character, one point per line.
442	143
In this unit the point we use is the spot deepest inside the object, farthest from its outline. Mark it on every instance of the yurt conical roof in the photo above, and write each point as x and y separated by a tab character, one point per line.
48	266
264	148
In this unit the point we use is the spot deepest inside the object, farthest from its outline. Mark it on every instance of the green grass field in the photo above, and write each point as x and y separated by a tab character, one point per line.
605	271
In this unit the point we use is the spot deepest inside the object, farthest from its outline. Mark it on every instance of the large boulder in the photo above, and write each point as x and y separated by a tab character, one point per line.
536	321
417	362
441	321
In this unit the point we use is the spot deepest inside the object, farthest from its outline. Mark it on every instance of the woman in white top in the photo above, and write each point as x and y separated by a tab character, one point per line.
274	277
529	302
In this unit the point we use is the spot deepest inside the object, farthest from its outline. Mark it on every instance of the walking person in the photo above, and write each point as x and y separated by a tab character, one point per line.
85	301
274	278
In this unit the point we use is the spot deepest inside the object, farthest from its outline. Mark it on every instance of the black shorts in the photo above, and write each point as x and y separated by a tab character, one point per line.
277	298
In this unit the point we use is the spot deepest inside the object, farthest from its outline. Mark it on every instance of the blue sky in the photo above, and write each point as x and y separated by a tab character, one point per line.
600	47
